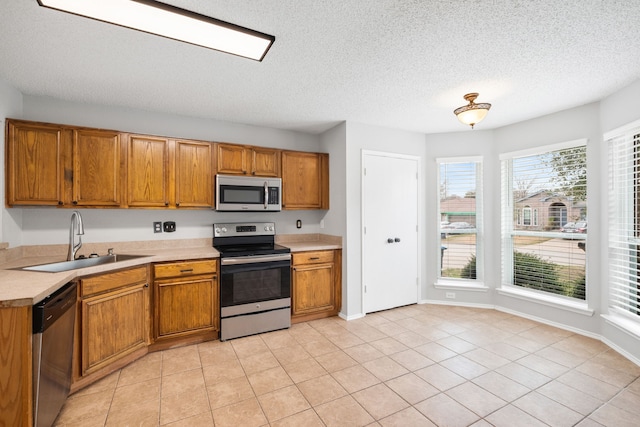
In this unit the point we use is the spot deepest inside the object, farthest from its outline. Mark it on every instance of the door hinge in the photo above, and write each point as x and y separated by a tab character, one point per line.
365	289
364	171
365	230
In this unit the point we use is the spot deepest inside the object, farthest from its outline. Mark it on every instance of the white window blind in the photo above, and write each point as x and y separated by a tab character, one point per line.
460	215
544	220
624	225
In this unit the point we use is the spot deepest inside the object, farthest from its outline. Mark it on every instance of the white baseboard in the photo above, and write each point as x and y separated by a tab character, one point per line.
352	317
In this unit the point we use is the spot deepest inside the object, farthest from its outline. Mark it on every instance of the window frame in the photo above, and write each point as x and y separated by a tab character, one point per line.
625	219
476	284
508	232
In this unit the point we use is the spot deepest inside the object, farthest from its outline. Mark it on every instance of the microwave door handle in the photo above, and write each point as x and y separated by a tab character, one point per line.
266	194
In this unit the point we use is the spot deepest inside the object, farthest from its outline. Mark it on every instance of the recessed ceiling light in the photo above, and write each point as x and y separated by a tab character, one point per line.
171	22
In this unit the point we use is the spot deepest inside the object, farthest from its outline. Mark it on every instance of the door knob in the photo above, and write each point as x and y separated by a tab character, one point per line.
397	239
389	240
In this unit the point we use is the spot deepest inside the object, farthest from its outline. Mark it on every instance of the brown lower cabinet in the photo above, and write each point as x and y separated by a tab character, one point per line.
15	366
185	300
316	284
114	318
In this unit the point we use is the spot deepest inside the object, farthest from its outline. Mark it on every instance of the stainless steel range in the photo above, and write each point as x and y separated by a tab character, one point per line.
255	279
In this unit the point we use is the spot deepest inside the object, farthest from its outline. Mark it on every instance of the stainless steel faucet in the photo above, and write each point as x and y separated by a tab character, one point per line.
75	228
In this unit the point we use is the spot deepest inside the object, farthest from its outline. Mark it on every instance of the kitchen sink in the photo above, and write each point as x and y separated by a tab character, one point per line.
56	267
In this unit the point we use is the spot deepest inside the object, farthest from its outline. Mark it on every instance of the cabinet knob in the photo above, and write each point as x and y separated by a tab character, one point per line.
146	285
75	202
60	202
397	240
389	240
166	203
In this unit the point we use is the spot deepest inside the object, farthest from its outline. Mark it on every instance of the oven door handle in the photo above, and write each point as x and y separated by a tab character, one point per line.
254	259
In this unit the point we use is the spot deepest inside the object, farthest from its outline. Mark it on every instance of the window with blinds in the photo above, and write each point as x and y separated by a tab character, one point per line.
624	223
544	219
460	217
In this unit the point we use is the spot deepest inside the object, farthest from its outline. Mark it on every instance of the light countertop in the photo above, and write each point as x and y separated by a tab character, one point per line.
24	288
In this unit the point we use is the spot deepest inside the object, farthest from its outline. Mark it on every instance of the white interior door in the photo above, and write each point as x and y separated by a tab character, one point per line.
390	234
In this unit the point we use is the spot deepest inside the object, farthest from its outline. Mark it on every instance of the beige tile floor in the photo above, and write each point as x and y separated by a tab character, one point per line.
420	365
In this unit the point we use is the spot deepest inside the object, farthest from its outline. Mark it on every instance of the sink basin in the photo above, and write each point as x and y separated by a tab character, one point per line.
56	267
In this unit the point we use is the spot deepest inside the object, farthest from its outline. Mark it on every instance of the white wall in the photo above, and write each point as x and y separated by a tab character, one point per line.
10	219
50	226
359	137
468	142
334	142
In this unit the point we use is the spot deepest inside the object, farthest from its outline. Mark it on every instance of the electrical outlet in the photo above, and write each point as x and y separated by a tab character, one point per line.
450	295
169	226
157	227
298	224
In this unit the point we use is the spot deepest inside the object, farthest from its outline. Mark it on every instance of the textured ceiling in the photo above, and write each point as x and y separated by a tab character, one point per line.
401	64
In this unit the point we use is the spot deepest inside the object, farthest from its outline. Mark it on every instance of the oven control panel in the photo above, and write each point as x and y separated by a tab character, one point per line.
244	229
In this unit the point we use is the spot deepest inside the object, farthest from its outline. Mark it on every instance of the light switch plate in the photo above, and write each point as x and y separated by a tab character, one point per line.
157	227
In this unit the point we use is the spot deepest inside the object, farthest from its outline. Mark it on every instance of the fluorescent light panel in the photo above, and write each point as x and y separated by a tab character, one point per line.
172	22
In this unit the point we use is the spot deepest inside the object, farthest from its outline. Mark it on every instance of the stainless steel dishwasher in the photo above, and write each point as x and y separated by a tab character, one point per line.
53	320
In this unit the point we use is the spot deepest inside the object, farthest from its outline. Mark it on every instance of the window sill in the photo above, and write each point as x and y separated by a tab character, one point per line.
623	323
549	300
461	284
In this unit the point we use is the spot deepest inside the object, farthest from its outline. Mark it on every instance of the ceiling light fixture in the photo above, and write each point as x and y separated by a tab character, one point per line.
172	22
472	113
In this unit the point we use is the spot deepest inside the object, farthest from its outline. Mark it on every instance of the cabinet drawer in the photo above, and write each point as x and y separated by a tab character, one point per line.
315	257
109	281
185	268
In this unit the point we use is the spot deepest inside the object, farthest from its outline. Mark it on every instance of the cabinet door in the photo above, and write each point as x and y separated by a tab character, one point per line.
147	171
114	324
96	168
35	174
305	182
265	162
194	174
231	159
186	305
313	288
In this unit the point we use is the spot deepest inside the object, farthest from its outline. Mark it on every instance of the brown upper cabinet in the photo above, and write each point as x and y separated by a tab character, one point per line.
147	171
71	166
194	174
235	159
97	168
34	163
305	180
51	164
169	173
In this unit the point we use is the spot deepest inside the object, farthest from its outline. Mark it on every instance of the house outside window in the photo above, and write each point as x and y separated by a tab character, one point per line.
624	225
460	215
542	190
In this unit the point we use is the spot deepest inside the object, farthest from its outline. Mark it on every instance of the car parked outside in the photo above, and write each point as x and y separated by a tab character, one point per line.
568	227
581	227
574	227
457	225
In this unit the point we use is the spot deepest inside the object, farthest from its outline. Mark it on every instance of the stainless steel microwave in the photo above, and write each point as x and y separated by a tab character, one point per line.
248	194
